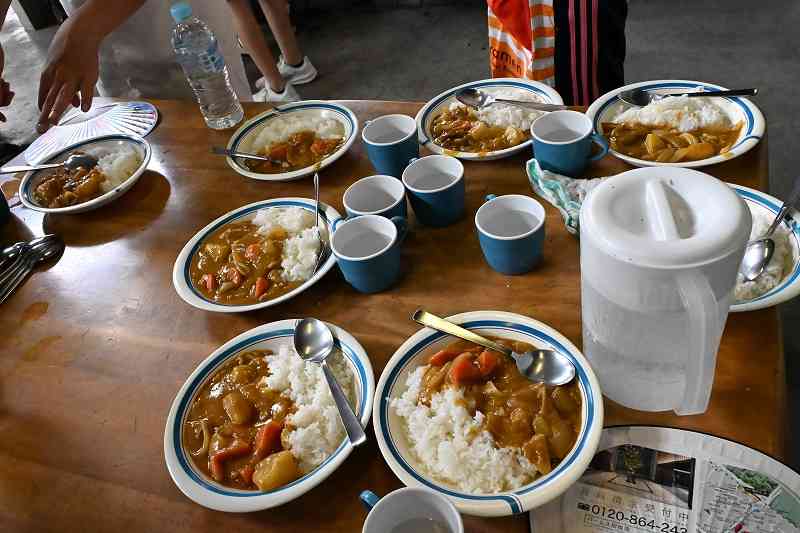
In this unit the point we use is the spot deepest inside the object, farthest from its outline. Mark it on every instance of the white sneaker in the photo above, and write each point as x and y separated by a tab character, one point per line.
305	73
269	96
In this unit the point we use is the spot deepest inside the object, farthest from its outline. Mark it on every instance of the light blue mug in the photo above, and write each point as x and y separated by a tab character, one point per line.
511	232
562	142
410	509
376	195
391	140
367	250
436	189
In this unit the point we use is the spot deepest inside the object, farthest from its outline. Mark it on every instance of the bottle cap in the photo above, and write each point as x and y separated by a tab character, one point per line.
180	11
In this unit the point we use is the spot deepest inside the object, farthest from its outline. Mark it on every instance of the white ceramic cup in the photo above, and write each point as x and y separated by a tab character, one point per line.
409	507
376	195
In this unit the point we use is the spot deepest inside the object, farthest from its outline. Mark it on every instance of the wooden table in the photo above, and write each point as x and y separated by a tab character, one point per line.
93	349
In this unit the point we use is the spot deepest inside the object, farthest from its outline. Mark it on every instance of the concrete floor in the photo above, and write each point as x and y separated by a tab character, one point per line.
415	53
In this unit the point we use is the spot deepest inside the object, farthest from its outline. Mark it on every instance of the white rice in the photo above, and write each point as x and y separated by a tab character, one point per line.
504	114
318	430
778	266
301	248
118	164
453	447
324	123
679	112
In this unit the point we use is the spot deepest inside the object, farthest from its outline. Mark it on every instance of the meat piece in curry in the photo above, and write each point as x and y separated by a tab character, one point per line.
668	145
237	265
300	150
460	129
64	188
235	429
542	421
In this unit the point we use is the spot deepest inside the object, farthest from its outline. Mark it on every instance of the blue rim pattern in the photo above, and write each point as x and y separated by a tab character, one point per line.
277	112
26	191
349	353
764	202
509	498
738	101
268	204
436	103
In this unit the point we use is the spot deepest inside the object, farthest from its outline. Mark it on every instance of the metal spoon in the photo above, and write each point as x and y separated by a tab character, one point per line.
542	366
219	150
13	255
313	341
479	99
641	97
322	245
759	251
73	162
45	251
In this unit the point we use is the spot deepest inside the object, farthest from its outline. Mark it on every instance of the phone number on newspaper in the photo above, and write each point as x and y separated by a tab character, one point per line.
633	519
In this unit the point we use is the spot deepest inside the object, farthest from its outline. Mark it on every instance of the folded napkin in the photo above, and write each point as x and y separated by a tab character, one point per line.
566	194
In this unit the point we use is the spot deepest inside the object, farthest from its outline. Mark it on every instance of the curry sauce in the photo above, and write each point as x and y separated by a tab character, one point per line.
542	421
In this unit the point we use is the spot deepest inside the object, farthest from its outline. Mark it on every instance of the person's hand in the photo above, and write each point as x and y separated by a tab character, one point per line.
72	68
6	94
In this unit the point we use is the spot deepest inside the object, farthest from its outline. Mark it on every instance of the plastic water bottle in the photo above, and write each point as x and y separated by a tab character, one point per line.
198	54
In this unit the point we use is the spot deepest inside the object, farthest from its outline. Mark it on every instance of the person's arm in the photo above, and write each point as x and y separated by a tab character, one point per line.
6	94
72	61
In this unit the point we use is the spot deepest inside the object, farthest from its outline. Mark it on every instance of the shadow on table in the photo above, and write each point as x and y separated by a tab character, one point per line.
14	230
131	212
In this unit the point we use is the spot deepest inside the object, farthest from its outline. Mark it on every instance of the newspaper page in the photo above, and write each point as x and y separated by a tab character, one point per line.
647	479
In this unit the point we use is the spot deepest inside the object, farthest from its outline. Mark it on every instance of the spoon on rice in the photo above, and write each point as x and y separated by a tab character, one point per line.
541	366
75	161
641	97
759	251
313	341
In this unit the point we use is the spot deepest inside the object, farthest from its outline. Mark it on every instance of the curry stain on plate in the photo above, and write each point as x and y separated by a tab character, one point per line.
35	311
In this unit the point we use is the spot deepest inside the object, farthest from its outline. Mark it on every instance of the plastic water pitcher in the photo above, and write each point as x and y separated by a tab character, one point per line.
660	248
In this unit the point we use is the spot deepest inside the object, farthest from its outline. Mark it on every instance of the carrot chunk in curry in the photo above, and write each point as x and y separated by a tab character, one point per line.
542	421
235	429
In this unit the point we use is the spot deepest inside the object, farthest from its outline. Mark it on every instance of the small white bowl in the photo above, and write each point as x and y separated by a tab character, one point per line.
243	139
32	179
415	351
441	102
789	287
211	494
180	272
737	108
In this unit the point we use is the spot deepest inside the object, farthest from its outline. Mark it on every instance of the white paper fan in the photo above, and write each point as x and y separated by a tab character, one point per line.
130	118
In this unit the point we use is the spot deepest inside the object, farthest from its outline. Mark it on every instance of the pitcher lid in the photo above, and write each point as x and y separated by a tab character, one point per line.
665	217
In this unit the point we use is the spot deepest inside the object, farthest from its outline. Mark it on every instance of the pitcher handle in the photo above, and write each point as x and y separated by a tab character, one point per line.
704	335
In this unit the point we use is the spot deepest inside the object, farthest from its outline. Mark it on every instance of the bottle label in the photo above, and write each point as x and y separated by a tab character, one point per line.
211	61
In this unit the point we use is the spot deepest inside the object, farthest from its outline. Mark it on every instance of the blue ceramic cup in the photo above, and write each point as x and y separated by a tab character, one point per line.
376	195
435	185
367	249
391	140
511	232
562	142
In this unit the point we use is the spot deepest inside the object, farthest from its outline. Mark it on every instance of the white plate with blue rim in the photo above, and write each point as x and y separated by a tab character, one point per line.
541	92
739	110
789	286
244	139
99	146
415	351
181	278
207	492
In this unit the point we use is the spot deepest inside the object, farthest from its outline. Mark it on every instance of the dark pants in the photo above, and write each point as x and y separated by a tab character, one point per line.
581	81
